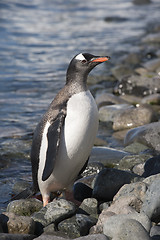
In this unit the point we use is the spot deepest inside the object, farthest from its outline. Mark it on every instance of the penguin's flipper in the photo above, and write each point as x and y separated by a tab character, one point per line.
53	136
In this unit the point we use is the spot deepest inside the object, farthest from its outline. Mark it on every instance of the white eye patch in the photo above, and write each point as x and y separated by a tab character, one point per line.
80	57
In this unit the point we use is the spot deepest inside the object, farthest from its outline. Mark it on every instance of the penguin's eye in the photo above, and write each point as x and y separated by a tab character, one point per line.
84	61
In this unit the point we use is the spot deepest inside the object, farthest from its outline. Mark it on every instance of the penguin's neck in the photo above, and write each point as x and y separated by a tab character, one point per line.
76	81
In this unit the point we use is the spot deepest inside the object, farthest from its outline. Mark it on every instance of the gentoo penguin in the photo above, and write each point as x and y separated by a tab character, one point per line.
65	135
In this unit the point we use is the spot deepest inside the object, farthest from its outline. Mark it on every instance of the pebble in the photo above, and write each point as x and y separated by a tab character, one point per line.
152	166
24	207
108	99
54	212
136	148
151	203
152	65
107	156
113	224
120	71
14	224
81	191
132	117
89	206
131	230
109	181
152	99
146	134
155	232
9	236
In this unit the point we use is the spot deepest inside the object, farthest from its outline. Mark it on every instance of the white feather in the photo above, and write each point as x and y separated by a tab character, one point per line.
80	57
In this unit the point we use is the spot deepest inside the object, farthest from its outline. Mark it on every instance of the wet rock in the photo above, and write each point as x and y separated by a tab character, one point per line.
155	232
120	71
131	230
108	113
108	99
128	162
81	191
24	207
20	186
6	236
109	181
152	166
77	226
113	224
133	117
152	38
56	211
136	148
17	224
152	65
100	142
141	2
107	156
147	134
89	206
132	58
152	99
151	204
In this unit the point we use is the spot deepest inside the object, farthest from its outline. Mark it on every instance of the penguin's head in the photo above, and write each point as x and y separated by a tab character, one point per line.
83	63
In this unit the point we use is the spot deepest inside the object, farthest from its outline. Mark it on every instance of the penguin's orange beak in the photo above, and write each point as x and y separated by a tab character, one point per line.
100	59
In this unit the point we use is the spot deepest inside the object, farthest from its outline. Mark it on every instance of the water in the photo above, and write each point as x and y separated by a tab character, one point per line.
37	40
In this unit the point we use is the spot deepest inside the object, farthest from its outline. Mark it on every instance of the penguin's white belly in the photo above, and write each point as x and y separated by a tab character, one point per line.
77	139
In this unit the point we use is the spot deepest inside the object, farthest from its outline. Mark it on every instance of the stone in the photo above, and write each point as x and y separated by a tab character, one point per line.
135	148
152	65
9	236
152	99
151	204
128	162
24	207
152	166
92	169
107	156
89	206
54	212
108	99
77	226
138	169
93	237
131	230
147	135
133	117
20	186
109	181
155	232
81	191
120	71
50	237
113	224
149	180
14	224
152	38
109	113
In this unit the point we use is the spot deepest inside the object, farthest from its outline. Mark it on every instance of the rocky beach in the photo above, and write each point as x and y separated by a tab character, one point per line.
119	192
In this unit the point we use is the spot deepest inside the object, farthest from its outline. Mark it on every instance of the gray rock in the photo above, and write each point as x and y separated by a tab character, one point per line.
107	156
152	99
155	232
147	134
92	168
56	211
152	166
81	191
93	237
24	207
138	169
14	224
133	117
89	206
151	204
152	65
107	99
135	148
109	113
7	236
120	71
50	237
131	230
149	180
109	181
20	186
112	225
77	226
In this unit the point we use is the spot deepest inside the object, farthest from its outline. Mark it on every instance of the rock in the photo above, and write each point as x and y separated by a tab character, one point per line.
92	169
20	186
93	237
133	117
50	237
149	180
155	232
120	71
107	156
17	224
7	236
128	162
152	166
135	148
152	99
131	230
108	113
81	191
109	181
147	134
151	204
132	58
108	99
113	224
54	212
76	226
138	169
89	206
152	65
152	38
141	2
24	207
